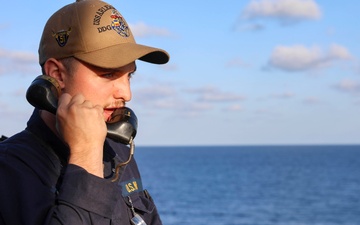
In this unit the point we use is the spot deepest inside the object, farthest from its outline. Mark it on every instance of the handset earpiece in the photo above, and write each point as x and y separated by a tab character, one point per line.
43	93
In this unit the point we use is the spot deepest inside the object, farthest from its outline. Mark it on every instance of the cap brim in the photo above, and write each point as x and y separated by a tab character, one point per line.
123	54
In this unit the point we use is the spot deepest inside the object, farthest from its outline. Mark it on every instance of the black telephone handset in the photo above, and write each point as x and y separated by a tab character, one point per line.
43	93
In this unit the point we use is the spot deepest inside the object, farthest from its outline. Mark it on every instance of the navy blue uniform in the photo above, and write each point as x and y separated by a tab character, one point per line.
38	187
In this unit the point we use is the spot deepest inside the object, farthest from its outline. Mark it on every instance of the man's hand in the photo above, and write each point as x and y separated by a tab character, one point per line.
82	127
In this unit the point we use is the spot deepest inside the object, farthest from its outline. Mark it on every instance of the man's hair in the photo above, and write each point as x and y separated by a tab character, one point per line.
68	63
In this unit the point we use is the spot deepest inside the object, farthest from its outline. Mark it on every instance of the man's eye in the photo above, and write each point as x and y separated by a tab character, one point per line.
107	75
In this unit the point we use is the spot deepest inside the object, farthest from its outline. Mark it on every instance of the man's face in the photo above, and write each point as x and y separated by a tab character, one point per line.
109	88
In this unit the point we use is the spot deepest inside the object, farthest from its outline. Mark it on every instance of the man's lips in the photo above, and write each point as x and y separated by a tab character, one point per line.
109	109
108	112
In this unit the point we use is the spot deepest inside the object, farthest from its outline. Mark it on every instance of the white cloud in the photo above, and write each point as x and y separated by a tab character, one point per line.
220	97
198	106
170	67
212	94
284	10
18	56
349	86
284	95
249	27
234	108
167	97
237	62
17	62
160	95
300	58
193	109
191	101
143	30
339	52
311	100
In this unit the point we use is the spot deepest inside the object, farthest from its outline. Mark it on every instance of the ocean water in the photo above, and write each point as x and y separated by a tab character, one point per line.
253	185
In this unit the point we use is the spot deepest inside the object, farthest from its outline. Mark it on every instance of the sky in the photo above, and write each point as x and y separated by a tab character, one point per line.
249	72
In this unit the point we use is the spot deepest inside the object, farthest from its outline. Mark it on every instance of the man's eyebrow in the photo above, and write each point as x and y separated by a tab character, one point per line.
117	70
107	70
121	69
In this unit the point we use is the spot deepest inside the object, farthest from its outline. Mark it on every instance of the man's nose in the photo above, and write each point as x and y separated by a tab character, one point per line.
122	89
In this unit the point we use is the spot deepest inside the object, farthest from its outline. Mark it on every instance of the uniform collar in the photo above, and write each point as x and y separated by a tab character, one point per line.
38	127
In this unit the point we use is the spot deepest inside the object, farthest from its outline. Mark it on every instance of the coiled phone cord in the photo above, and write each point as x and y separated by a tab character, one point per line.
118	166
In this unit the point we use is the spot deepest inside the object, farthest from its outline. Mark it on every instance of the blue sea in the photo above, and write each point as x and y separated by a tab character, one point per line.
253	185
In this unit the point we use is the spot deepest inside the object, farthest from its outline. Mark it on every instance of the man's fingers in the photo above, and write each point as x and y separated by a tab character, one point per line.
67	101
74	103
64	99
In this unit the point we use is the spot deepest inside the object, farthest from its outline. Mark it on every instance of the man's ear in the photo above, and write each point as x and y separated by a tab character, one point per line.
54	68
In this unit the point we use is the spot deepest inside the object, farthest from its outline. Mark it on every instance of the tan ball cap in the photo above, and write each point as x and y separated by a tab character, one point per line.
94	32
